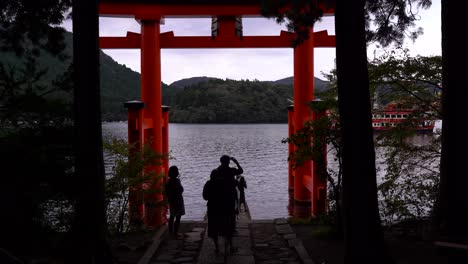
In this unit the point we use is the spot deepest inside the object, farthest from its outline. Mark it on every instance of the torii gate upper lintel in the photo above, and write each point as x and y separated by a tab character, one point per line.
152	122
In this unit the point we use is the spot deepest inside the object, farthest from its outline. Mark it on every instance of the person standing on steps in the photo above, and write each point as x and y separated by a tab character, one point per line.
174	190
221	194
214	207
241	186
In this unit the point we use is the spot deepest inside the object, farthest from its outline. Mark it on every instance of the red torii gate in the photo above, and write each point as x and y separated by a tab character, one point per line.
151	123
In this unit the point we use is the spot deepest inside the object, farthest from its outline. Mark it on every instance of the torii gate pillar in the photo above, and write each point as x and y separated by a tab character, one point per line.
303	94
153	117
290	151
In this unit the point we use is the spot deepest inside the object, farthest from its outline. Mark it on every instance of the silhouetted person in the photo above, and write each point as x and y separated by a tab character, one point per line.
241	186
221	194
174	192
214	207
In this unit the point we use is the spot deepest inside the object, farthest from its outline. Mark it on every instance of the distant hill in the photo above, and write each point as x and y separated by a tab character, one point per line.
230	101
285	81
118	82
189	81
192	100
320	85
386	93
213	100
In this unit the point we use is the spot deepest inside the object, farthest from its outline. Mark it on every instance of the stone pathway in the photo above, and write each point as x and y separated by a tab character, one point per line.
182	249
256	241
270	245
241	242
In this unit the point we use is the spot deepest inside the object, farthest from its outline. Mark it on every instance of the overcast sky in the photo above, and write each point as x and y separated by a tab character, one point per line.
260	64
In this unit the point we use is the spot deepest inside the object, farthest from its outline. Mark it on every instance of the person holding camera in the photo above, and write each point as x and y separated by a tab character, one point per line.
221	194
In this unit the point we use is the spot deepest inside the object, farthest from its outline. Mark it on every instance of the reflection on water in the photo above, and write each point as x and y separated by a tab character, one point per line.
196	149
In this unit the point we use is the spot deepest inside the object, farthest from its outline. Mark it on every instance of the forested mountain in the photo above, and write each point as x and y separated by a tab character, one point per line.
319	85
212	100
192	100
190	81
118	83
228	101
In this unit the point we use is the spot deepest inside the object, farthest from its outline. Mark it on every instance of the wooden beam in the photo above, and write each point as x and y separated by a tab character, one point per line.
169	41
149	11
323	40
131	41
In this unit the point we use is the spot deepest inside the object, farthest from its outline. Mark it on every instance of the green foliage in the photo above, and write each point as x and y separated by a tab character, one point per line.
397	76
317	139
193	100
26	21
28	100
299	221
40	166
409	187
319	220
129	172
35	127
35	143
119	84
387	21
322	219
318	130
324	225
323	231
35	115
390	21
300	15
228	101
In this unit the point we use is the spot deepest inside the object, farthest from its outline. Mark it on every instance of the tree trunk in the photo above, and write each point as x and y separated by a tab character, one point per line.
88	232
363	233
451	212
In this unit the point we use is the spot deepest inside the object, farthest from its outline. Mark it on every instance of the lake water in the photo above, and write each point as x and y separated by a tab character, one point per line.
196	149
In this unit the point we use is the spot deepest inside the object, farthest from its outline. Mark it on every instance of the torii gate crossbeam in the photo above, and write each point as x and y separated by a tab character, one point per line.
169	41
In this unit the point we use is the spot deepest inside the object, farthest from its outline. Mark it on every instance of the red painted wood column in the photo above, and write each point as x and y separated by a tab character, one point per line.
290	162
290	148
135	139
151	96
165	137
303	94
165	147
319	181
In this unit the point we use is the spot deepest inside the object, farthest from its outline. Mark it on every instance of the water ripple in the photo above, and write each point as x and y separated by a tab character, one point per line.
196	149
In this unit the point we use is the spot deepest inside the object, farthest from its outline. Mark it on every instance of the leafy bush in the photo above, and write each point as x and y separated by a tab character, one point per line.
129	171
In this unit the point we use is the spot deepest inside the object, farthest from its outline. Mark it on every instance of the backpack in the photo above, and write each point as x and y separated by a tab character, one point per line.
221	191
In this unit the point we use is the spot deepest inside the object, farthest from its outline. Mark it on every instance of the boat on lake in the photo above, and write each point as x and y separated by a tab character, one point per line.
394	114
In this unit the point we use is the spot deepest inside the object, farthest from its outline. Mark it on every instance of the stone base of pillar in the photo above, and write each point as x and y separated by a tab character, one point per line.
154	217
291	203
301	209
